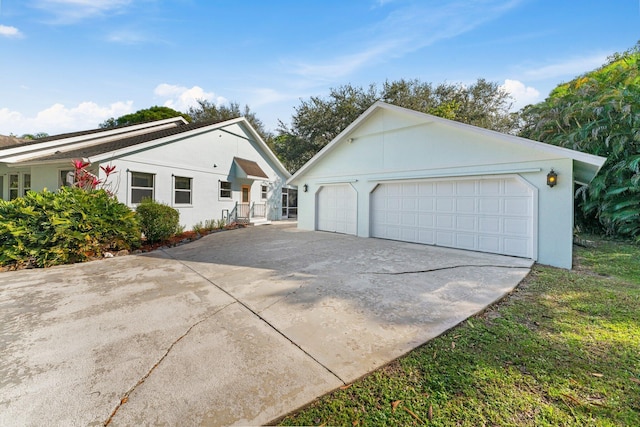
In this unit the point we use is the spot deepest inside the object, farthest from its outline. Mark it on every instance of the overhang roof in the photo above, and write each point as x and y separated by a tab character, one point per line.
586	166
249	168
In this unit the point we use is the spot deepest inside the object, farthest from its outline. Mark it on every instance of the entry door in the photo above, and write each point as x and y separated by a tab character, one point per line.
246	193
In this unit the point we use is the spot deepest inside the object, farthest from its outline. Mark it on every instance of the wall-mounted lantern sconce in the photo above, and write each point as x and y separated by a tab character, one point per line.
552	178
305	188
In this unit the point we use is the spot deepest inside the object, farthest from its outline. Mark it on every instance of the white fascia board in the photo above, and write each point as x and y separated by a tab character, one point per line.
216	126
34	151
327	148
578	156
265	148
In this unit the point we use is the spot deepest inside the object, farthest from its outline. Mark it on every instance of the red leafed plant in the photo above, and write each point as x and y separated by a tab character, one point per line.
88	181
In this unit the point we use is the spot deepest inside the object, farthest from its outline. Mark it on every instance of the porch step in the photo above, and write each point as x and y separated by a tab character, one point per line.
261	221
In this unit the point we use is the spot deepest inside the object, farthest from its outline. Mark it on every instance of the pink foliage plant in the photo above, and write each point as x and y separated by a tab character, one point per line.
86	180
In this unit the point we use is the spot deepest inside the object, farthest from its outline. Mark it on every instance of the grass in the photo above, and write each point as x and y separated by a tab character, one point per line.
562	349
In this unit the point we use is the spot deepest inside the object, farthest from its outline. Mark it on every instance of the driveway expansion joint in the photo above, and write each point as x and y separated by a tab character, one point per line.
125	397
452	267
260	317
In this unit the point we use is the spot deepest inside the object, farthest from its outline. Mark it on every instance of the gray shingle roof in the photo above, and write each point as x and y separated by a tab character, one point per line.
95	150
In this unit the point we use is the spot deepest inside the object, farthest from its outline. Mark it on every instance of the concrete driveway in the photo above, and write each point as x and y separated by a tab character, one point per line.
240	327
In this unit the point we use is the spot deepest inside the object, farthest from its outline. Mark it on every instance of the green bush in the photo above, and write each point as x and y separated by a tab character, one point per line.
72	225
157	221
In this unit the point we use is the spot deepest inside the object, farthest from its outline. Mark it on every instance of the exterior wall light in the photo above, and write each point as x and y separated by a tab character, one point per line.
552	178
305	188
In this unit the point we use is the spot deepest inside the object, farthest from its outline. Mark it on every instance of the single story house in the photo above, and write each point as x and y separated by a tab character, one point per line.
204	170
403	175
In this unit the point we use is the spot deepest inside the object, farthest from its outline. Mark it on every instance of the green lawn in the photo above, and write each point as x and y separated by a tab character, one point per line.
562	349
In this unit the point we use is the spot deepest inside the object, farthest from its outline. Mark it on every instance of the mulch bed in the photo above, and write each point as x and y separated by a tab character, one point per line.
182	238
177	240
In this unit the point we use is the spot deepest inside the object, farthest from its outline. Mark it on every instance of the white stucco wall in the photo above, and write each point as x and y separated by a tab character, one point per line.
391	145
206	158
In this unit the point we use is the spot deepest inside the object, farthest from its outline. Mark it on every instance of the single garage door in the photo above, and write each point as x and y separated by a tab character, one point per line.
337	209
490	215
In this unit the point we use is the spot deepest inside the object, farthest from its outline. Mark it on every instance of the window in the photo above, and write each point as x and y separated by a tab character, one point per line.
182	190
26	183
141	186
1	187
13	186
225	190
67	178
263	192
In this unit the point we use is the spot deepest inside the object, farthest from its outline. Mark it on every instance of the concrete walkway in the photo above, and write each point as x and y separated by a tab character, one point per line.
240	327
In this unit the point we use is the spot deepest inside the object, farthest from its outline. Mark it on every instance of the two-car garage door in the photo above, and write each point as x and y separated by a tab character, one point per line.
493	214
490	215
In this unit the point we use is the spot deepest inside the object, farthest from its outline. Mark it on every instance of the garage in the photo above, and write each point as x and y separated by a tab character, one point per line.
490	215
337	209
425	179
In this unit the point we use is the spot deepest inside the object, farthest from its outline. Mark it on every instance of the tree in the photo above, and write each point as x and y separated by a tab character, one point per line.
206	110
34	136
142	116
599	113
318	120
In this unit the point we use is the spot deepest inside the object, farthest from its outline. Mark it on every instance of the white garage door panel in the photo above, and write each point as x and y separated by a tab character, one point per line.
337	209
490	215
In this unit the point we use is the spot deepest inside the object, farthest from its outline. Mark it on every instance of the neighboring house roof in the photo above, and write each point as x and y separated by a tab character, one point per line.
10	141
250	168
586	166
76	140
105	144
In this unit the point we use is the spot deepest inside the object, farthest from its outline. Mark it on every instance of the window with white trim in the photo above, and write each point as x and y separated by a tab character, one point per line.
142	186
26	183
13	186
263	192
1	187
67	178
225	190
182	190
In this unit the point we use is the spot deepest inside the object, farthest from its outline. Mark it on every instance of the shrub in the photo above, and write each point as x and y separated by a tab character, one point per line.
198	228
69	226
157	220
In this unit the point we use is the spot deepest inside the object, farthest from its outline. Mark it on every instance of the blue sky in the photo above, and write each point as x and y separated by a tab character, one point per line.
68	65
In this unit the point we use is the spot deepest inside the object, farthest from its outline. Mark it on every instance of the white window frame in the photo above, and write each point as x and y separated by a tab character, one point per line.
16	189
264	191
220	190
183	190
132	187
62	182
24	187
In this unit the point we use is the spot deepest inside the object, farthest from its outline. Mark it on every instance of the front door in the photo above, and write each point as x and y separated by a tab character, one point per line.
246	193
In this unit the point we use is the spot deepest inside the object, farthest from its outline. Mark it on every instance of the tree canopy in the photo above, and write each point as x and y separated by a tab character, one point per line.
141	116
599	113
318	120
206	110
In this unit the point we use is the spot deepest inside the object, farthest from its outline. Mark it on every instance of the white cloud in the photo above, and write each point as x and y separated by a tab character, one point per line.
60	119
522	94
71	11
8	31
404	30
180	98
569	68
